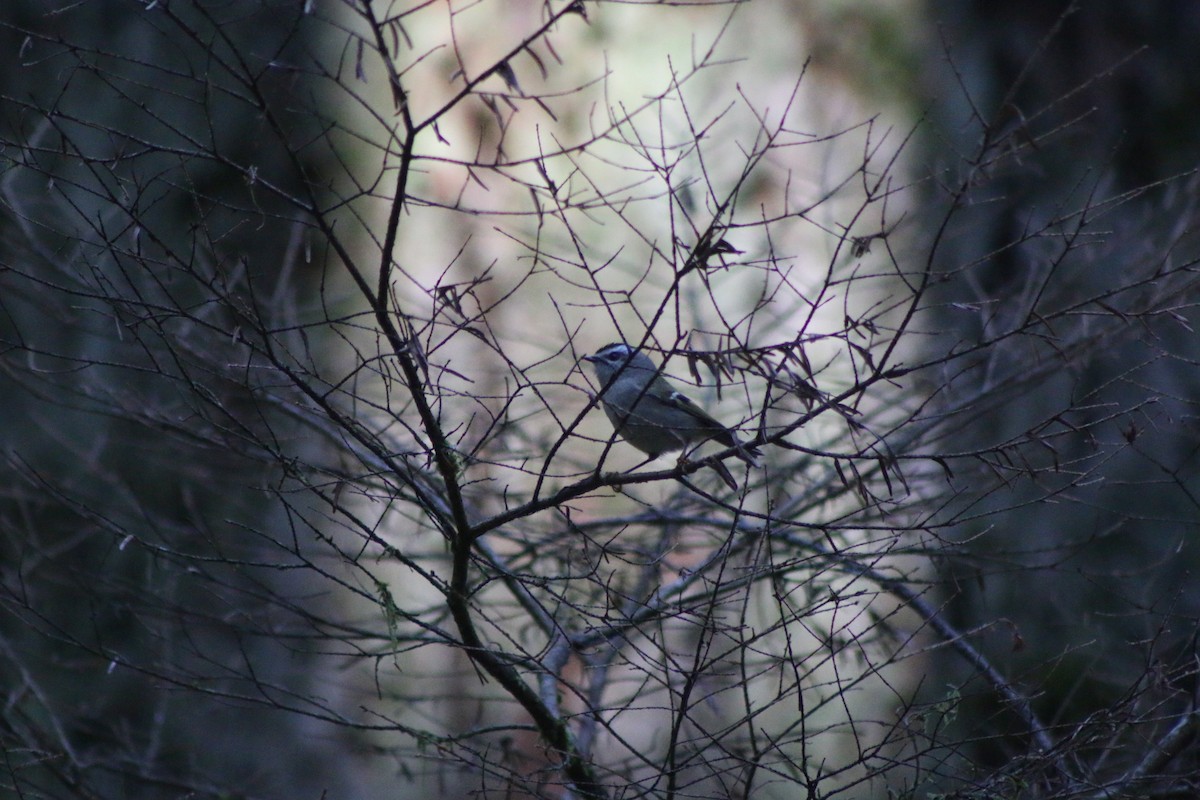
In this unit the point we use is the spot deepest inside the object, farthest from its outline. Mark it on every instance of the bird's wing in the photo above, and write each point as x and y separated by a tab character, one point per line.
716	430
682	402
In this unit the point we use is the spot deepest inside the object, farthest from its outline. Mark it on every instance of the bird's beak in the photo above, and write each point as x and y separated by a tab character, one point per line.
590	359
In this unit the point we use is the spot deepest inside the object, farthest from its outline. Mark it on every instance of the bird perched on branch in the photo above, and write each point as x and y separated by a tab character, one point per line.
651	414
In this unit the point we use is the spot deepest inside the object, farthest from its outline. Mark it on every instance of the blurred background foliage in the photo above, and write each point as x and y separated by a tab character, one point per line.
1105	594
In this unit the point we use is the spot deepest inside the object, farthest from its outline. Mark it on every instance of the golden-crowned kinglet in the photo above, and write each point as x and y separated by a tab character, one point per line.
650	414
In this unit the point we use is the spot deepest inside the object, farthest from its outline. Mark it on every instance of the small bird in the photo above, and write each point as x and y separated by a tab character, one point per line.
651	414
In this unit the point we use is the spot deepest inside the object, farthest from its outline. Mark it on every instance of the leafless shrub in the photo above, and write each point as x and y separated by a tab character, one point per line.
301	449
